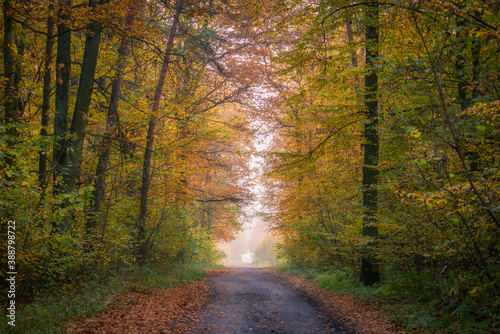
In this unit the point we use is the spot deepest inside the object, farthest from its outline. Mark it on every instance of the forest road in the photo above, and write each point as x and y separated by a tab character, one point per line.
254	300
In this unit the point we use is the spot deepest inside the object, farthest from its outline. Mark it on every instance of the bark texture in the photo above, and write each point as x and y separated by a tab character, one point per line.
71	162
11	90
369	267
63	73
47	77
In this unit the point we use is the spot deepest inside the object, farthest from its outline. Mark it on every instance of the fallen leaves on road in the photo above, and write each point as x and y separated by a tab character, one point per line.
361	317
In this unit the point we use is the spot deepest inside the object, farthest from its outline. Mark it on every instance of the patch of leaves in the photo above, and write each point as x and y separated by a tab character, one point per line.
171	310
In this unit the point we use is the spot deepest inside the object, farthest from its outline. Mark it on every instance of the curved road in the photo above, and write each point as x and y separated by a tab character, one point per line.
253	300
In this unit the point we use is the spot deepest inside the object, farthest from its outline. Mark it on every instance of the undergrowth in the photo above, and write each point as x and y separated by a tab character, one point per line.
416	301
49	311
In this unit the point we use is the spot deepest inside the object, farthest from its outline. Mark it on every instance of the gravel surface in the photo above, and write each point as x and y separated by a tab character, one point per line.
255	300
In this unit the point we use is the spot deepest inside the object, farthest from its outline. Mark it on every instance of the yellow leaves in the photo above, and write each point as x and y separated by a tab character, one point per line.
428	198
441	201
415	134
487	110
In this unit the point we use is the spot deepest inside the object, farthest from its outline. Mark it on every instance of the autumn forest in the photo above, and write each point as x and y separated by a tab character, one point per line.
136	135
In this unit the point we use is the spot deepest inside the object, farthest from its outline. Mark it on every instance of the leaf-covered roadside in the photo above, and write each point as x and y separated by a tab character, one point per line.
170	310
363	318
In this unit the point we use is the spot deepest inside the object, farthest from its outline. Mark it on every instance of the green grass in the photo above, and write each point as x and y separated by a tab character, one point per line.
51	310
415	301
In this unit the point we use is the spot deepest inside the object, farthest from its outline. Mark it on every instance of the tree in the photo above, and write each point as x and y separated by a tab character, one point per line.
74	142
11	88
47	79
369	268
104	152
146	169
63	75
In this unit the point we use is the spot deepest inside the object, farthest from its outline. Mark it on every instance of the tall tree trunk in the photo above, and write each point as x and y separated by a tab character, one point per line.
460	65
18	69
71	162
11	91
111	121
369	267
49	47
350	38
476	62
465	95
146	169
63	73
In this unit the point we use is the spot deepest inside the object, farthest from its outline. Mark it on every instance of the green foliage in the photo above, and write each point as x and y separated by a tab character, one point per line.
265	252
438	187
426	301
332	278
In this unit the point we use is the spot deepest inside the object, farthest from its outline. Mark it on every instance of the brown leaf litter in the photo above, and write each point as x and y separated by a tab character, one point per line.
362	317
171	310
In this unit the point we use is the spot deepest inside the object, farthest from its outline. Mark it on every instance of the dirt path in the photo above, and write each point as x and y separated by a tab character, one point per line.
238	300
254	300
